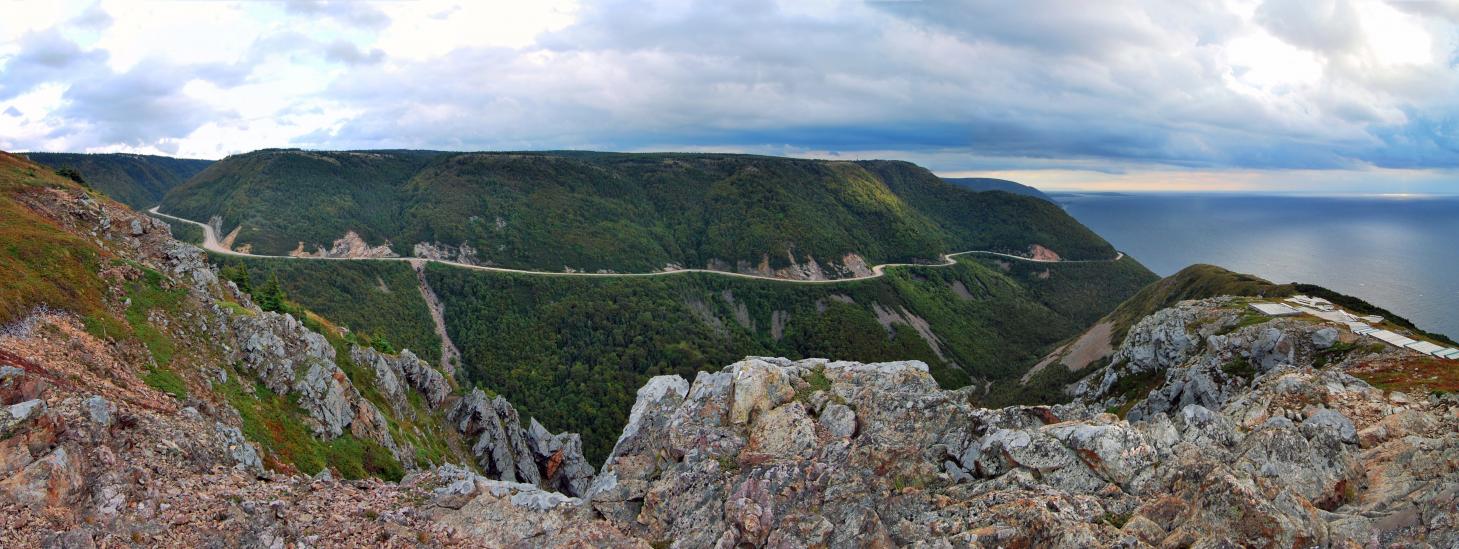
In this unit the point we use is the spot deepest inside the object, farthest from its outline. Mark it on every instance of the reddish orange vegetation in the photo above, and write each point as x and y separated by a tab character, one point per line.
1410	374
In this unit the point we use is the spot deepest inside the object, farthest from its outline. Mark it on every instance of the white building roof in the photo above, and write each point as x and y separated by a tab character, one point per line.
1425	347
1274	309
1450	353
1391	338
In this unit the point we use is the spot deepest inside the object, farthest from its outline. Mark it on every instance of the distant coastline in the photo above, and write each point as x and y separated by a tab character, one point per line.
1394	250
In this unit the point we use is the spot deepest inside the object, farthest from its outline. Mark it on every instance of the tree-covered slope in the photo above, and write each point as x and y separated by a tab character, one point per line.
137	180
983	184
572	351
621	212
283	197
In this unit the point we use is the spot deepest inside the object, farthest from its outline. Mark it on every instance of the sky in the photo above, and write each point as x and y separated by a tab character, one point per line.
1314	96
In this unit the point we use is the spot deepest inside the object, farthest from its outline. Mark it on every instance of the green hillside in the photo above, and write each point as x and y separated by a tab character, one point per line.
620	212
983	184
137	180
572	351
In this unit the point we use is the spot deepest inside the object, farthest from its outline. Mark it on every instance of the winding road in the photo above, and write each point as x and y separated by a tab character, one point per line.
212	244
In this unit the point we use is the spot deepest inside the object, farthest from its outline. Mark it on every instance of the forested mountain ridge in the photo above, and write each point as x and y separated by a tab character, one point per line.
137	180
620	212
984	184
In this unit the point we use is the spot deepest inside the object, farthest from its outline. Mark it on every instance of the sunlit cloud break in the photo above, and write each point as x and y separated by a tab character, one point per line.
1124	94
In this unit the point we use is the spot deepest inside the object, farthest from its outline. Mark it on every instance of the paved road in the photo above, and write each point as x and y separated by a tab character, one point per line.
211	243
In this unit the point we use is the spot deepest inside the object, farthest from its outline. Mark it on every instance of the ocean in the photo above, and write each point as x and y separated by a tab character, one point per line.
1398	252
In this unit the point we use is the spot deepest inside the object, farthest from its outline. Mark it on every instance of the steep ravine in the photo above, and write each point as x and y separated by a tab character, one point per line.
450	355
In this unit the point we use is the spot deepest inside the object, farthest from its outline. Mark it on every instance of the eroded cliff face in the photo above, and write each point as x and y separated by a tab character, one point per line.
351	245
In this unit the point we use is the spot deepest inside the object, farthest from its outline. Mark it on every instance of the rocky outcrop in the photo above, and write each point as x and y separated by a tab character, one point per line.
394	375
764	453
445	252
852	266
351	245
290	359
506	451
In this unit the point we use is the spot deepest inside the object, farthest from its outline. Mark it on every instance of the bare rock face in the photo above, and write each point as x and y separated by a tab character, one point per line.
752	456
291	359
279	348
445	252
351	245
506	451
396	374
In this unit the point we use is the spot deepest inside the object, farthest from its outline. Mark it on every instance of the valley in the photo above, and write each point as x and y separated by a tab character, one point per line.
255	397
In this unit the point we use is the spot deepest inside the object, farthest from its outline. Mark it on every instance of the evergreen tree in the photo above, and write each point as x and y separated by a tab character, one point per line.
242	280
271	296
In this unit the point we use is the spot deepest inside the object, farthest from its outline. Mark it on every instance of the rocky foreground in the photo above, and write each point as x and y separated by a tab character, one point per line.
770	452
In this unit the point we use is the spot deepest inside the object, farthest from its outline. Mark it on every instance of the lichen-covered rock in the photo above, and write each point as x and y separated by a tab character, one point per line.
98	410
323	395
506	451
395	374
239	449
279	348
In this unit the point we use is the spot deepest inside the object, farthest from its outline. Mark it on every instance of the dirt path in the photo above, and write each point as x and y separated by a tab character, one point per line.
450	355
210	242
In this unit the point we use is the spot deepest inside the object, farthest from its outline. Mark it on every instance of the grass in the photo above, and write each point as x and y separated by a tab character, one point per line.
236	309
148	295
275	422
166	381
1333	354
815	381
41	264
727	464
1248	319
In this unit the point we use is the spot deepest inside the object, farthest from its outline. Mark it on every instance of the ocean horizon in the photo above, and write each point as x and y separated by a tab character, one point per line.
1395	250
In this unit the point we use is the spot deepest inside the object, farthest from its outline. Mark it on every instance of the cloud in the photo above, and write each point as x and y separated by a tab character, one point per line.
94	18
958	84
144	106
342	51
352	13
45	56
1321	25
